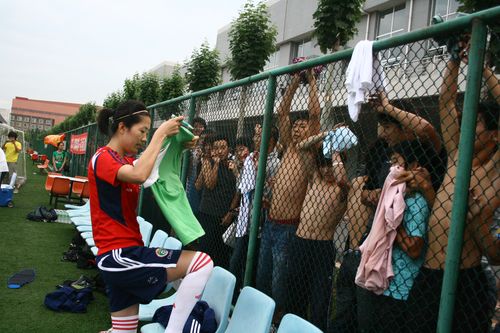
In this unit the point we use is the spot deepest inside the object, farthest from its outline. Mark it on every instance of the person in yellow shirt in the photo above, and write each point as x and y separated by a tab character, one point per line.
12	147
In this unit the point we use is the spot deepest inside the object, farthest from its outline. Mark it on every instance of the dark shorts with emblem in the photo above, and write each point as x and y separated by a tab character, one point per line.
135	274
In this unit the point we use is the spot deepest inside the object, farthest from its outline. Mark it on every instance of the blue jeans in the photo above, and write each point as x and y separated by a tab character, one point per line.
273	259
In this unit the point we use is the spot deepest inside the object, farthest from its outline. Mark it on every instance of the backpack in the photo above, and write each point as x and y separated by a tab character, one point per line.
42	214
69	299
201	319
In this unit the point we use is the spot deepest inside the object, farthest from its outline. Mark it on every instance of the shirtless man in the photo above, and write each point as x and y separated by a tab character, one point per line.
312	251
471	307
289	190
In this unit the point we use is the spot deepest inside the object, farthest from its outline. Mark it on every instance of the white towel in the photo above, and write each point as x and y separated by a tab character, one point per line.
155	173
359	77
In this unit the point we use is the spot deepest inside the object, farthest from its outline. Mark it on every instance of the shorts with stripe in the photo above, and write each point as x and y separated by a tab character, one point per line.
135	274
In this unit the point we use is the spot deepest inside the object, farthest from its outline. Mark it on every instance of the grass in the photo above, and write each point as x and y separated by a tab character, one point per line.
38	245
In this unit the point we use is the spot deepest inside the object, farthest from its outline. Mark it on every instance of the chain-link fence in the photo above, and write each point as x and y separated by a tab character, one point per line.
89	140
351	224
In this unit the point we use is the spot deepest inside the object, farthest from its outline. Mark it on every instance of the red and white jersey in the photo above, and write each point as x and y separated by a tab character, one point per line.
113	204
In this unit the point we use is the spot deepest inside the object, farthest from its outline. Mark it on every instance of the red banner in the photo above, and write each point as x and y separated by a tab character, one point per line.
78	144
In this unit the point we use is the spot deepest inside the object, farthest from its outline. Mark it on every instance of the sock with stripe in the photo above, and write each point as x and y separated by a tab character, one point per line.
189	291
125	324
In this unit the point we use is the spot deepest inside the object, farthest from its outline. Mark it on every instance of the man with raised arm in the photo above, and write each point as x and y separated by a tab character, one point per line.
289	190
471	312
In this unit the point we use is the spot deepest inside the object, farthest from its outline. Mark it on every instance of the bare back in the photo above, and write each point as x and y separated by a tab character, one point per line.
484	182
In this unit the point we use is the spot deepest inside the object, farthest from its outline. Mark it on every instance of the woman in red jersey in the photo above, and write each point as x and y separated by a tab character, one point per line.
135	274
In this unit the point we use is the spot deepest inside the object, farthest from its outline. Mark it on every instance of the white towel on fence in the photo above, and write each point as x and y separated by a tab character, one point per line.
359	77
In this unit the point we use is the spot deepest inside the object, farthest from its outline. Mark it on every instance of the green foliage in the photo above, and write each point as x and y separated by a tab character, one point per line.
252	40
203	68
335	22
131	87
149	87
113	100
171	87
471	6
86	115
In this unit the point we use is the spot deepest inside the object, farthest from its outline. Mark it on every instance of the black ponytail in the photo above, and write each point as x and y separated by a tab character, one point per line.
129	112
103	120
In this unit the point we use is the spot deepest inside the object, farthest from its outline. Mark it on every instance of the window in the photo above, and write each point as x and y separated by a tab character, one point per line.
48	121
447	9
25	125
392	22
40	127
303	48
33	120
19	118
27	119
272	62
40	121
47	128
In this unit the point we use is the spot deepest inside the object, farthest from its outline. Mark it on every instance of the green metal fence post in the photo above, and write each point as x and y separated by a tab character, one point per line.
466	147
261	176
185	159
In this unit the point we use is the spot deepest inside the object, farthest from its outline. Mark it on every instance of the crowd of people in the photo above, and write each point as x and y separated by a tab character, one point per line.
397	210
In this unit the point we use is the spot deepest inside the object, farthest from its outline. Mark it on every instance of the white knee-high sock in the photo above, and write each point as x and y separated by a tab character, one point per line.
125	324
189	291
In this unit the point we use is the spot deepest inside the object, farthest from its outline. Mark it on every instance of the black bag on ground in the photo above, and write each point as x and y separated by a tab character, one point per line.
69	299
42	214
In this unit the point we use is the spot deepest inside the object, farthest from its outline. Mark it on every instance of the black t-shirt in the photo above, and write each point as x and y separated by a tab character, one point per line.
378	165
217	201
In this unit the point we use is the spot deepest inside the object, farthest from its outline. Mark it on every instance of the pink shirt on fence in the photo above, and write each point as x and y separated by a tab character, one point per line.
375	268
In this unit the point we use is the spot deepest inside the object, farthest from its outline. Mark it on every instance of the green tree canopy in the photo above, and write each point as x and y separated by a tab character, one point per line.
149	88
113	100
335	22
171	87
203	68
252	40
131	87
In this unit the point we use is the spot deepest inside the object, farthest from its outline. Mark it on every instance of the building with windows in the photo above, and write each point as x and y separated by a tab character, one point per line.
381	19
29	114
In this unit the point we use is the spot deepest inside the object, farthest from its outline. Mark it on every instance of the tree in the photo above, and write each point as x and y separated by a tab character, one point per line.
203	68
149	88
114	99
131	87
203	71
171	87
87	114
335	22
252	39
471	6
